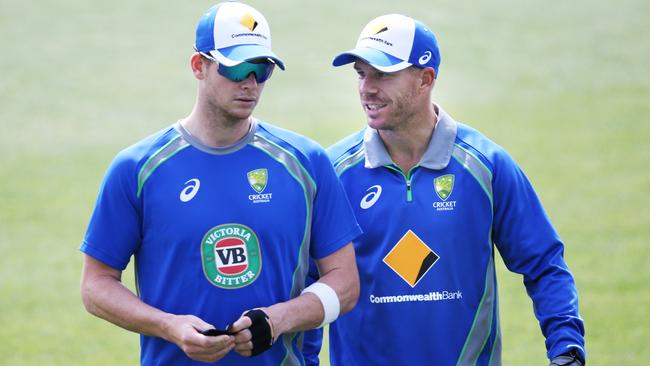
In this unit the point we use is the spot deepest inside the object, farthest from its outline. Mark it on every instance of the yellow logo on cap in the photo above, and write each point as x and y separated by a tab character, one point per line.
411	258
381	27
249	22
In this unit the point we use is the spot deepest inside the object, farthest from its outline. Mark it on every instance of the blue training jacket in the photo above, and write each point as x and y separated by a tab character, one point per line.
426	258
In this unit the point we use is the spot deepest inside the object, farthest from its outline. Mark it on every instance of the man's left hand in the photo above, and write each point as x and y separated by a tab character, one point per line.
254	333
567	359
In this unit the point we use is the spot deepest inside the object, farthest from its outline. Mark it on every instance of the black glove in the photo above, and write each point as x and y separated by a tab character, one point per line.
260	330
571	358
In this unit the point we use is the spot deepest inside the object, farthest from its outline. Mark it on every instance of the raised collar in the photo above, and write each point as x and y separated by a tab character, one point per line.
436	156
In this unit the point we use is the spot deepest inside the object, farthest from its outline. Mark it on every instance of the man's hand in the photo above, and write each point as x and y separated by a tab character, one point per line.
184	330
105	296
567	359
254	333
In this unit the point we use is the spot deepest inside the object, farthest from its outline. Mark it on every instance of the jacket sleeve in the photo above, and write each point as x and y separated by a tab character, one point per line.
530	246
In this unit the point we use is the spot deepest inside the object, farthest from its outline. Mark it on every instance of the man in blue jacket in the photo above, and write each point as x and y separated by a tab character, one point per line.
221	213
435	199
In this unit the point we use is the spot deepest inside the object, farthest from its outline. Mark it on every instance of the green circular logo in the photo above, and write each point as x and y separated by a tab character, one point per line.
231	256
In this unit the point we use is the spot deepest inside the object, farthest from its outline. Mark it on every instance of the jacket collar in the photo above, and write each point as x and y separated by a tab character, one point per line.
436	156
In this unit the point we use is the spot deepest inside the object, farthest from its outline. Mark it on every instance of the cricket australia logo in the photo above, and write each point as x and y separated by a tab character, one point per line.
444	186
231	256
257	179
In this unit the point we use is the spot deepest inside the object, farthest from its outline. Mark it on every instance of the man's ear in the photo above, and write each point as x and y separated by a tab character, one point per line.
198	66
427	78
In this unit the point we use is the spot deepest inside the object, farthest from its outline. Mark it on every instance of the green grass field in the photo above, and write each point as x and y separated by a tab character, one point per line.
564	86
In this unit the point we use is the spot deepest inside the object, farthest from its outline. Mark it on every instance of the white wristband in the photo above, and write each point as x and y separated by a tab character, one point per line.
328	298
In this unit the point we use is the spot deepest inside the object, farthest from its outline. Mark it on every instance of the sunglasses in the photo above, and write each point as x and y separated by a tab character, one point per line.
262	69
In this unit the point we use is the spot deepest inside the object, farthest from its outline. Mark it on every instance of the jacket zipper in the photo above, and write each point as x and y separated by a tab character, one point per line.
407	178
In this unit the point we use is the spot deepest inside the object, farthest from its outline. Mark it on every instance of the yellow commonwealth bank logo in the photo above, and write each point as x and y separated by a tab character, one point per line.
249	22
378	28
411	258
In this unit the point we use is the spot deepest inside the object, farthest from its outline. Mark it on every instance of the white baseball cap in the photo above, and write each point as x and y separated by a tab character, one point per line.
392	43
233	33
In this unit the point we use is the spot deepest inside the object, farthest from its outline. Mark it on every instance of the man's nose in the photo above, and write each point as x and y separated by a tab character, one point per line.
366	86
249	82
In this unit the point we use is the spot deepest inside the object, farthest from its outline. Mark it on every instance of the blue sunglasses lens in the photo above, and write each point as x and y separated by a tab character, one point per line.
262	71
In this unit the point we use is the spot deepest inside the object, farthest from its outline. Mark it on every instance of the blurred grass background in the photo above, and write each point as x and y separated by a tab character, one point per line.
563	86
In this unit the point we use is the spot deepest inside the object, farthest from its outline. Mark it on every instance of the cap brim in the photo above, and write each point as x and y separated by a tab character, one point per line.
234	55
375	58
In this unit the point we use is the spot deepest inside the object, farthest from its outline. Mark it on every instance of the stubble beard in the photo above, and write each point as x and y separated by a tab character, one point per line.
228	117
401	114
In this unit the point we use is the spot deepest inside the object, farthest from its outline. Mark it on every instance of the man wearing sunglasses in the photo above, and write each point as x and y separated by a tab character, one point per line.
222	213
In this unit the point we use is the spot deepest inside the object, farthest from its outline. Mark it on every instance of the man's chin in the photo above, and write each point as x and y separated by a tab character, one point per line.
377	124
241	113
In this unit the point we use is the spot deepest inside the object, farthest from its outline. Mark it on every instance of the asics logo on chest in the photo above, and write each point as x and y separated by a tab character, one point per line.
190	190
371	197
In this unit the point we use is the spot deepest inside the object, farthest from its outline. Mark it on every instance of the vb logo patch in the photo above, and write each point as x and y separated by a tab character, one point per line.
258	179
231	256
444	186
411	258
